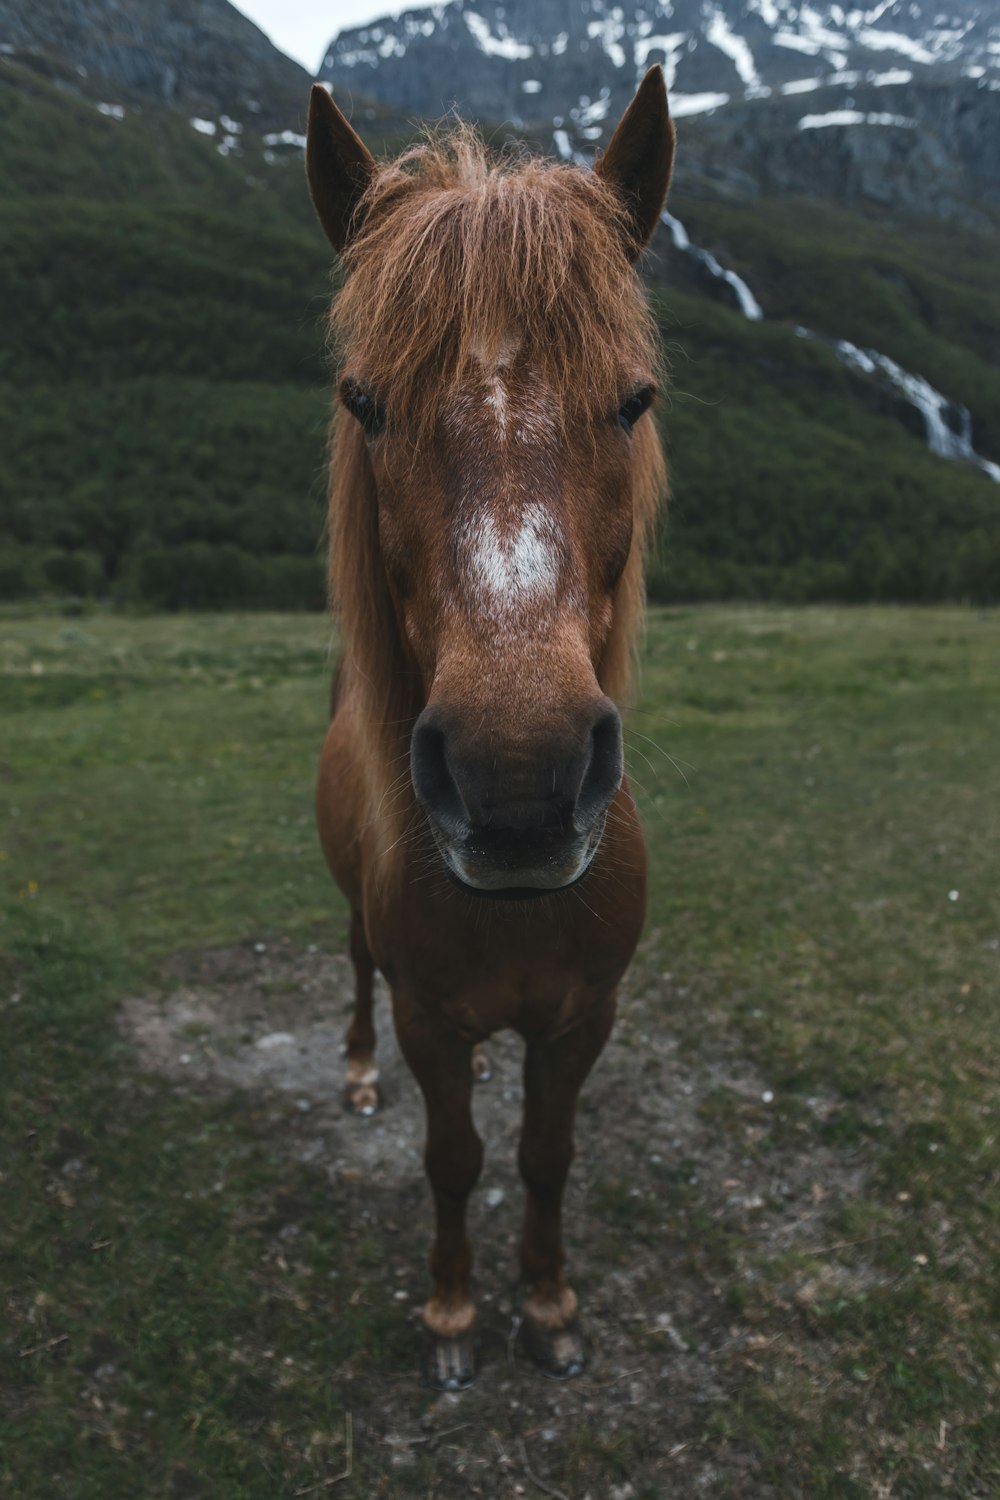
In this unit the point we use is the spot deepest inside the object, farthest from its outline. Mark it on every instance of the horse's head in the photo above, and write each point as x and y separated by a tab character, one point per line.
498	360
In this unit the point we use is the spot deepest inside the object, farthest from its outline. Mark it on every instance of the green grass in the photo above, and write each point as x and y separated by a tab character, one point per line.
160	730
844	787
841	781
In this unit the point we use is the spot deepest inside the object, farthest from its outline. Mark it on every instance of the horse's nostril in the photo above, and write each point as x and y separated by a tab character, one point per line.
604	772
481	792
433	781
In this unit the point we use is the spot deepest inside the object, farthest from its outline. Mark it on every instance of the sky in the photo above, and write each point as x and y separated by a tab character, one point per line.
302	28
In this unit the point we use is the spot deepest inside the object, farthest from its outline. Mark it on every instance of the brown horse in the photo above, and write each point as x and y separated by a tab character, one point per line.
494	483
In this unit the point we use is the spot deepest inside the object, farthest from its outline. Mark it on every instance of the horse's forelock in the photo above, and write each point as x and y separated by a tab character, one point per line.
459	253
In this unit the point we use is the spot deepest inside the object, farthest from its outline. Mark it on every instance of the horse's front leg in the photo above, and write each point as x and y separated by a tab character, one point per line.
441	1062
553	1074
361	1085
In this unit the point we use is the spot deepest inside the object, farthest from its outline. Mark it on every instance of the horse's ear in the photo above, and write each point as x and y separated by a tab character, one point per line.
640	158
338	164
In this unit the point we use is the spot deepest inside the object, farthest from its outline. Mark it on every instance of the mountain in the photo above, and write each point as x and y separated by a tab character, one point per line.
844	102
927	145
199	56
164	393
575	62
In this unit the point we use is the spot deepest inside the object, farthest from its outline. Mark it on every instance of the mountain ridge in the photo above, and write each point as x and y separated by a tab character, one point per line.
575	62
888	104
202	57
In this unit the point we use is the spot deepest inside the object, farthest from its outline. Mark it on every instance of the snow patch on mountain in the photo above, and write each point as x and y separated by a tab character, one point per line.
671	46
720	34
892	77
854	117
796	43
496	46
696	104
286	138
609	31
897	41
766	9
536	64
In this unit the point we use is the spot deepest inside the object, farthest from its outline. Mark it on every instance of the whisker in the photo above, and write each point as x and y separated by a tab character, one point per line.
674	761
634	749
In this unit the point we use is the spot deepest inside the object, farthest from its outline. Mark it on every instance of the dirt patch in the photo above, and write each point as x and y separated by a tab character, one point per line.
671	1204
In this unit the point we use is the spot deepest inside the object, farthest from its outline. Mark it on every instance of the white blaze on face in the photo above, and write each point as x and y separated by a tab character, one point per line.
496	400
509	545
512	571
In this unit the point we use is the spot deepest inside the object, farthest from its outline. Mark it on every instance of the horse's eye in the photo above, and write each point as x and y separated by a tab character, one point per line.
364	407
631	410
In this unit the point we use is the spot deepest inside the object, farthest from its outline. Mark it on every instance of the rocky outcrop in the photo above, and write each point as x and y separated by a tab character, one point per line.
898	105
929	147
575	62
201	56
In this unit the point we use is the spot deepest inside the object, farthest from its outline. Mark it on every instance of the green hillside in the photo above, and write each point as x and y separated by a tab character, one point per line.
163	393
920	291
788	482
162	403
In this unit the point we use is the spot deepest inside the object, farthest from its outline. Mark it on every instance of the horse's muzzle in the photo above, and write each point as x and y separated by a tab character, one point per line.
527	818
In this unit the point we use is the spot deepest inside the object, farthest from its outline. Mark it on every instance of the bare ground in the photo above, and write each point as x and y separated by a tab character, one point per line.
667	1208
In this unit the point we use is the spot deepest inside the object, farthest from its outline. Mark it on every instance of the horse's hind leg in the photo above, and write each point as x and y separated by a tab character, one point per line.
361	1083
553	1074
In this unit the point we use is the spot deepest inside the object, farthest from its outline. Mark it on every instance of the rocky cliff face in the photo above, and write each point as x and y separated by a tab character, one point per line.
931	146
530	61
792	97
201	56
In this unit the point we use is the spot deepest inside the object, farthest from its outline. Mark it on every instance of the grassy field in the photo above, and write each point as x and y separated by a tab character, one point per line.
784	1224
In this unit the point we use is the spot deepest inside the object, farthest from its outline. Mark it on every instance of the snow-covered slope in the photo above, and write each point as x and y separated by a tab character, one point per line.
575	62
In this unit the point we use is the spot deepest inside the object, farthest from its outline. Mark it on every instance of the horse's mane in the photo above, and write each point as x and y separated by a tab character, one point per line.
455	252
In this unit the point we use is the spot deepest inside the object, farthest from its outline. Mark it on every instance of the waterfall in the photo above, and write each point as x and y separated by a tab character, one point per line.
948	424
949	438
747	302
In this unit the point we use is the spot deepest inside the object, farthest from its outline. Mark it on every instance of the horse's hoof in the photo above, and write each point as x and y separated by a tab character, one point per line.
362	1098
482	1072
449	1363
559	1352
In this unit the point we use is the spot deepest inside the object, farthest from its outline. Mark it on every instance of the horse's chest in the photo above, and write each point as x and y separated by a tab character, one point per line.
535	970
